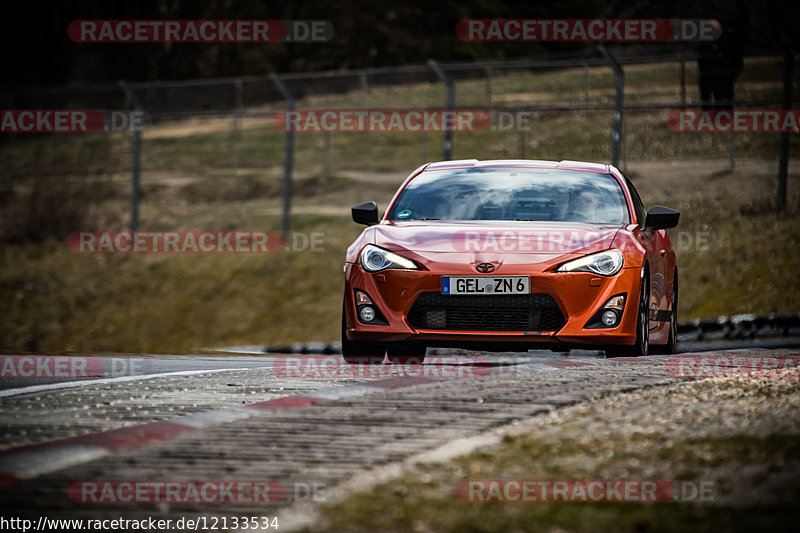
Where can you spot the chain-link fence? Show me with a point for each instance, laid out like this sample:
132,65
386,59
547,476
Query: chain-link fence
231,139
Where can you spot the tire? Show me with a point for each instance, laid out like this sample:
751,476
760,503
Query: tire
403,354
642,345
672,339
360,352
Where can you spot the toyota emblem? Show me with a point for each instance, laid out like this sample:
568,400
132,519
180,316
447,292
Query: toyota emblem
484,268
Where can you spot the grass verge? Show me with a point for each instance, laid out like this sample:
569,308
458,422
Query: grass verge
650,435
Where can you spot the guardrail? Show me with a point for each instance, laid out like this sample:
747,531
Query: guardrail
744,326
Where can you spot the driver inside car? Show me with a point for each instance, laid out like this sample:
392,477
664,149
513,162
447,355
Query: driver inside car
583,204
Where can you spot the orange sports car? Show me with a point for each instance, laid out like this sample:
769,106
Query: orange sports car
511,255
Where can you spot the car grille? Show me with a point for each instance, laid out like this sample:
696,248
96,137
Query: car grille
512,312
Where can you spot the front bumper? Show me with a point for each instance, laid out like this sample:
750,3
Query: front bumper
577,296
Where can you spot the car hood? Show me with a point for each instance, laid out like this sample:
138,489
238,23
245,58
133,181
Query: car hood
537,241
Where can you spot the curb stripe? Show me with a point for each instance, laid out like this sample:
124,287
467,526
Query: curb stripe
290,402
55,455
399,383
6,480
130,437
214,418
27,464
113,439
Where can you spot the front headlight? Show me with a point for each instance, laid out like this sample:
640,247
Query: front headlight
374,259
605,263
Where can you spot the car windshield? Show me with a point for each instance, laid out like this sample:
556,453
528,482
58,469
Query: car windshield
503,193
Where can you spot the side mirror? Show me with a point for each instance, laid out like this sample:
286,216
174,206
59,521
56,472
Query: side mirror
366,213
660,217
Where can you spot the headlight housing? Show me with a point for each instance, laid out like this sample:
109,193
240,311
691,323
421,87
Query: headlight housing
605,263
375,258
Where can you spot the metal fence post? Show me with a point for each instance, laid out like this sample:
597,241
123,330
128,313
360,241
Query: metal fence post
288,162
488,86
450,102
585,80
783,163
235,126
616,127
137,156
363,87
683,84
326,166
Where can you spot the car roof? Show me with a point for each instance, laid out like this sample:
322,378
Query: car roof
521,163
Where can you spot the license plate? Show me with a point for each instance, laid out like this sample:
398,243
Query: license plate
486,284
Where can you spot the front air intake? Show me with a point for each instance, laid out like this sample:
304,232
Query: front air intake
512,312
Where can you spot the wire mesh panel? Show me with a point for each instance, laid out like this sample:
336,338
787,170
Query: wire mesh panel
357,134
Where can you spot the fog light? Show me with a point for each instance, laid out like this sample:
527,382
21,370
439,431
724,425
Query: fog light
366,314
609,318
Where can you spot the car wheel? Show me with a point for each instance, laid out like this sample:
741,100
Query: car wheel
672,339
403,354
360,352
641,346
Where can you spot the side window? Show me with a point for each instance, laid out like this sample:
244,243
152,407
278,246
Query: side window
638,206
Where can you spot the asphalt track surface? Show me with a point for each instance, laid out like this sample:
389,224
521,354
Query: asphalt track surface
301,424
242,357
